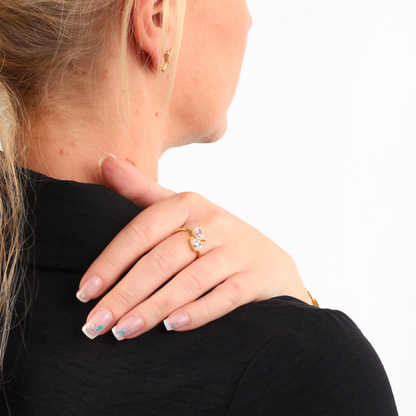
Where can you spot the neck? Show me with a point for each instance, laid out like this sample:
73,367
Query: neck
67,142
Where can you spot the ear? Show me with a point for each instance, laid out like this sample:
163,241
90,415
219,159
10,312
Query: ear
147,27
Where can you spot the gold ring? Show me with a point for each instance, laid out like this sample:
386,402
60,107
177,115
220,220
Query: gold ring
197,239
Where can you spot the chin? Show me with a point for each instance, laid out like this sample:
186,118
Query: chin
212,136
215,135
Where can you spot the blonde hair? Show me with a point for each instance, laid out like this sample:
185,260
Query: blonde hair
43,42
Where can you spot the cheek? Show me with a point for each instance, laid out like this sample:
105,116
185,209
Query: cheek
208,71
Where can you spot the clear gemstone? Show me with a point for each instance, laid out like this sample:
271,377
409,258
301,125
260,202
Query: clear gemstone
196,244
198,233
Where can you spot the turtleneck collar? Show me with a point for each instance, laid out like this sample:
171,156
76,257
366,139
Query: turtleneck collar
70,223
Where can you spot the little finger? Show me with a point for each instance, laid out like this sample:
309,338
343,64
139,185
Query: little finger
228,296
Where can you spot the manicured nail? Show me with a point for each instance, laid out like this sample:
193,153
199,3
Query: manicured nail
104,157
98,323
89,289
177,321
128,327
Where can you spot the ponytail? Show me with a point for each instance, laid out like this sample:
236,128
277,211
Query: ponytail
12,215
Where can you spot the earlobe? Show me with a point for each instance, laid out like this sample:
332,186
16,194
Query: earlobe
147,27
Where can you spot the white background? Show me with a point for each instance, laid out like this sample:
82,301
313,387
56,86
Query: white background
320,155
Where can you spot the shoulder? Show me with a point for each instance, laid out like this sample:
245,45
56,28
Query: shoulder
317,362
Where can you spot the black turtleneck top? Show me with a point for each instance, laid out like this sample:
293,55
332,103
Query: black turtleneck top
276,357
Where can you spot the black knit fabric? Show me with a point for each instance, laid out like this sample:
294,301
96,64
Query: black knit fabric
277,357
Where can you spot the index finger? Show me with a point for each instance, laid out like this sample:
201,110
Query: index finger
144,232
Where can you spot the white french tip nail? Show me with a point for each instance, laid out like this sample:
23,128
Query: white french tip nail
116,334
87,332
98,323
104,157
128,327
168,328
90,289
177,321
82,297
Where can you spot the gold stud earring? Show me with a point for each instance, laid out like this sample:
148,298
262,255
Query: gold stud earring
168,54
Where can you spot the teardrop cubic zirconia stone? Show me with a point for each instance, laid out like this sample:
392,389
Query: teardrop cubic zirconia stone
198,233
196,244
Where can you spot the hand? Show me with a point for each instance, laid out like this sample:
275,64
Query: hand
238,264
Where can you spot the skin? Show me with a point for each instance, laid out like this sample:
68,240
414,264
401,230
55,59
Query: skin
69,138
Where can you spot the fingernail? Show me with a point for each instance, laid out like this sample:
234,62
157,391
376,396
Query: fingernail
177,321
89,289
98,323
104,157
128,327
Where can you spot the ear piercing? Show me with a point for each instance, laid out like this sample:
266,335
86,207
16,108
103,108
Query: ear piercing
168,54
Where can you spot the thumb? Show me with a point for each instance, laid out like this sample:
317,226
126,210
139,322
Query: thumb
131,183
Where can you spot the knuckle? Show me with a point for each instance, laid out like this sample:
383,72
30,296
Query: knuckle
158,312
233,294
223,218
138,234
111,265
197,280
189,200
191,196
124,300
183,197
160,263
207,311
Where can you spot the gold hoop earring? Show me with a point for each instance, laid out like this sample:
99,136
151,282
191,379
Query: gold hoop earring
168,54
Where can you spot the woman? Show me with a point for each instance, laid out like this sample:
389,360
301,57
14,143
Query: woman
87,91
256,246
